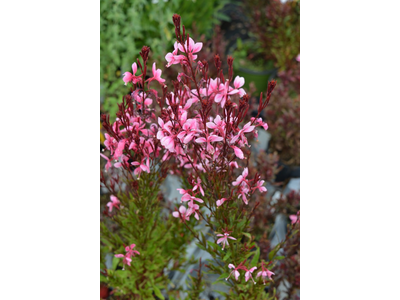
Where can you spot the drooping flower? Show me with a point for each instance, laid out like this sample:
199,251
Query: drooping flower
113,203
264,273
241,178
221,201
248,275
224,239
235,271
198,185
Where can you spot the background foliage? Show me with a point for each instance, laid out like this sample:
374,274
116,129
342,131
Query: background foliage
126,25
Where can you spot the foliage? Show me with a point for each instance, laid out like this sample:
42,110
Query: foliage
275,26
125,26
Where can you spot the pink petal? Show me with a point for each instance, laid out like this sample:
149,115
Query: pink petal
220,240
214,138
200,140
182,209
134,68
237,274
239,82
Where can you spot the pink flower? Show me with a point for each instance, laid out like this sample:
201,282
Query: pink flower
294,218
235,271
259,186
156,75
126,261
187,197
221,201
173,58
127,257
238,83
264,273
225,91
113,203
108,164
110,143
260,123
129,77
241,178
224,239
248,275
142,166
218,125
183,213
211,138
189,129
130,252
198,185
298,57
193,48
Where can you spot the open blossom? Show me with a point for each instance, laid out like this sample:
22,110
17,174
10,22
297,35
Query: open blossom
142,167
238,83
224,239
193,48
173,58
113,203
198,185
225,91
156,75
260,187
235,271
131,77
248,275
182,214
264,273
218,125
241,178
127,257
260,122
209,139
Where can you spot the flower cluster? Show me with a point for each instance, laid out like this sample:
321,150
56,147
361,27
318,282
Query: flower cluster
236,273
199,130
264,273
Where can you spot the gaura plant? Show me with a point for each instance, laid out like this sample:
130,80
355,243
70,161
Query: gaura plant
198,131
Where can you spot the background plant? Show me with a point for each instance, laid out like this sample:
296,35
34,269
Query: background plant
125,26
275,27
